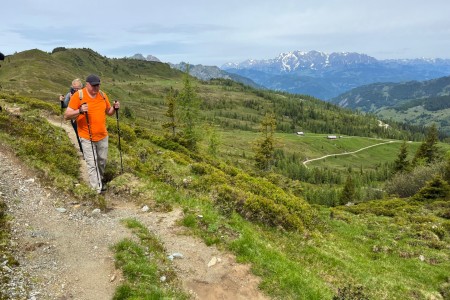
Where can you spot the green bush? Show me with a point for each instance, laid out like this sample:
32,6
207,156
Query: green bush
266,189
177,157
201,168
389,207
406,184
444,290
34,139
446,226
264,210
434,189
421,219
209,181
351,292
444,214
227,168
166,143
126,132
32,103
256,208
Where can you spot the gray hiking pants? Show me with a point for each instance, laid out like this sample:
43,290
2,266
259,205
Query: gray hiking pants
101,154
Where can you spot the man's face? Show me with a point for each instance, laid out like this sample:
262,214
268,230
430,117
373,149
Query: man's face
75,88
92,89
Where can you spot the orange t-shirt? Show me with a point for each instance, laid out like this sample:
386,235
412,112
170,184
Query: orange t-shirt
96,113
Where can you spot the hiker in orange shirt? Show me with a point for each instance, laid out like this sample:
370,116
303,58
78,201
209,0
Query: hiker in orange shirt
89,106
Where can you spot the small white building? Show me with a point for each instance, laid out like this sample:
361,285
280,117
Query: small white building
300,133
331,137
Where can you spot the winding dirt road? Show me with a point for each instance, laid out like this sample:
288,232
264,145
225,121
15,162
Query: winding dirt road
346,153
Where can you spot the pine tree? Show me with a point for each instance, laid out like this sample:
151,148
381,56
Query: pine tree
401,164
437,188
265,148
189,113
214,140
172,124
428,150
446,175
349,192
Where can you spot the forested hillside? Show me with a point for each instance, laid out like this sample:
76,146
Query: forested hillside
414,103
370,98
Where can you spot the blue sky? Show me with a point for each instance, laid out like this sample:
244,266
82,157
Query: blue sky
217,32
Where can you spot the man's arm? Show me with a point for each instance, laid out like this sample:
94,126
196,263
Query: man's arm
110,111
72,114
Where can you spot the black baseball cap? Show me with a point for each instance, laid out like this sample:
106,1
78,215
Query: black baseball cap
93,79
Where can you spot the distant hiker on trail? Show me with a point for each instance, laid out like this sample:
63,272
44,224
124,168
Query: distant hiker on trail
89,106
76,85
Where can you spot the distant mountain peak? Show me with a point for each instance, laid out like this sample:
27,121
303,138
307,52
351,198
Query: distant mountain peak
210,72
139,56
152,58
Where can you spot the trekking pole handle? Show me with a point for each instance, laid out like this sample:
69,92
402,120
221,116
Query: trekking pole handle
115,107
81,110
61,100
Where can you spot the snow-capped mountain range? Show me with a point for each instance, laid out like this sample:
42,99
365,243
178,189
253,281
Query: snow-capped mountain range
327,75
299,60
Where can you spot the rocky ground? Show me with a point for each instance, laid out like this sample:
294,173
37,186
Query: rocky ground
63,247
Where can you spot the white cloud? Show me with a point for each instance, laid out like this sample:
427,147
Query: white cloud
210,32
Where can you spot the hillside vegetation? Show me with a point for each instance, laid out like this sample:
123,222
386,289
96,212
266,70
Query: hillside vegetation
413,102
287,221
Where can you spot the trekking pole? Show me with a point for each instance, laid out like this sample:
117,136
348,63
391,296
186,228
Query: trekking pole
62,107
61,100
118,133
92,146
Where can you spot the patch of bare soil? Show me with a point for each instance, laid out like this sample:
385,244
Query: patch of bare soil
63,247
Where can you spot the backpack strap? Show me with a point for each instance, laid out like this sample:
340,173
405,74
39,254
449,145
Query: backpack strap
80,94
102,94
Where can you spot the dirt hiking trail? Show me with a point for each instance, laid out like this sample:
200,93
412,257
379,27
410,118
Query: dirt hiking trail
63,246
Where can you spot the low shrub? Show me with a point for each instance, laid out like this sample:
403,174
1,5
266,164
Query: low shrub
434,189
389,207
446,226
444,290
264,188
351,292
31,103
201,168
208,182
406,184
256,208
177,157
126,132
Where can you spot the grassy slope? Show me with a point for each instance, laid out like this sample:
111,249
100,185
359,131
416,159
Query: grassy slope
378,252
418,115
